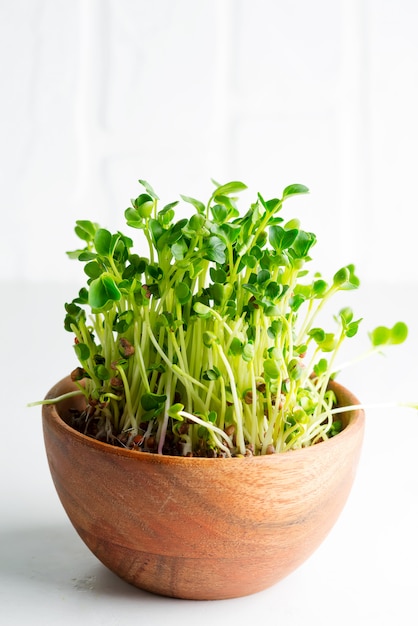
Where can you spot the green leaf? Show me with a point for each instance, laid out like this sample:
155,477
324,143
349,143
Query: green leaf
83,296
280,238
273,331
317,334
183,293
325,341
102,372
168,208
150,401
75,311
103,290
123,321
144,205
148,188
225,232
249,261
352,328
296,301
215,250
346,315
76,254
195,269
179,249
209,338
196,223
263,276
93,269
329,343
256,252
295,369
174,411
155,272
345,278
133,218
211,374
254,289
219,213
382,335
321,367
228,188
136,267
303,290
319,288
218,275
176,231
217,291
212,416
303,243
148,416
86,255
248,352
236,347
293,190
165,320
82,351
199,206
85,229
336,427
273,206
399,333
103,242
156,367
156,229
201,309
167,214
271,369
271,310
292,224
301,350
229,204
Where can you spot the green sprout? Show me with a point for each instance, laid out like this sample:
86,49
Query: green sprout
205,341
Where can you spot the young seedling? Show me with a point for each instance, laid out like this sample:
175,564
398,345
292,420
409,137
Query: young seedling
204,339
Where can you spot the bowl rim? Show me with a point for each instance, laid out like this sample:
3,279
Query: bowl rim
355,426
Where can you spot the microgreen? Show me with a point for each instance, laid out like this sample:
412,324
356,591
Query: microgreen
205,339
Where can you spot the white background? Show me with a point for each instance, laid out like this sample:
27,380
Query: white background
98,93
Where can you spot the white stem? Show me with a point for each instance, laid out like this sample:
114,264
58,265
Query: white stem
376,405
211,427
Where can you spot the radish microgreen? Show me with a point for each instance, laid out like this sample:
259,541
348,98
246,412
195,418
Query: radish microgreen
205,341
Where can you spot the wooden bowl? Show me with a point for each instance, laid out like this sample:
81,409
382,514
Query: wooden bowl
200,528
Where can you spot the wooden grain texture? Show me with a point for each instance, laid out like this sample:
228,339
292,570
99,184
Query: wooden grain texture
201,528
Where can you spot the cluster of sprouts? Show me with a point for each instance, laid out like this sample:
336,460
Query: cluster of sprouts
202,340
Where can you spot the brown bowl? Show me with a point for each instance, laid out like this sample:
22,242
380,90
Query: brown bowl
200,528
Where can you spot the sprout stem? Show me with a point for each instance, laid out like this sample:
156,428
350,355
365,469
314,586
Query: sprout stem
212,428
64,396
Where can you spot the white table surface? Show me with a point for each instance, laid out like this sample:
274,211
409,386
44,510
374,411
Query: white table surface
365,573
